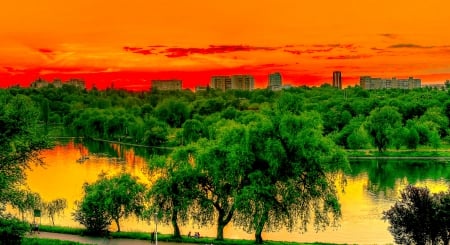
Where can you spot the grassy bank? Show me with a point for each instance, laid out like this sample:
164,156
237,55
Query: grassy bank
44,241
165,237
422,152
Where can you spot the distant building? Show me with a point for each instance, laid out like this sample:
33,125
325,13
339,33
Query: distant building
79,83
367,82
57,83
238,82
275,81
220,82
434,85
337,79
201,88
166,85
242,82
39,83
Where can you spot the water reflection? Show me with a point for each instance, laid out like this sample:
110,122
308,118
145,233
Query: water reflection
372,187
385,178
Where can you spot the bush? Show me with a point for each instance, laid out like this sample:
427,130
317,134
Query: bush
12,230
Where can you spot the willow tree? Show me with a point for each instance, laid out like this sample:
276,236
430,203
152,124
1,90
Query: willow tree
223,161
175,190
110,198
290,180
21,140
381,124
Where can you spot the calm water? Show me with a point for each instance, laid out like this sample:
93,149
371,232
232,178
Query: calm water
372,187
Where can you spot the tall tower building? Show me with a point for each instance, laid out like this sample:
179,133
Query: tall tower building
275,81
337,79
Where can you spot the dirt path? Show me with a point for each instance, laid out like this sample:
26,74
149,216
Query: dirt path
98,240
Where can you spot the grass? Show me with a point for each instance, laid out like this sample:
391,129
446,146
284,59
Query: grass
423,151
163,237
62,229
44,241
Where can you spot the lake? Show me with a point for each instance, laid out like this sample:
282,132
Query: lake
372,187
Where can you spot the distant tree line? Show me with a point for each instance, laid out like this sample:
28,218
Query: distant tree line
353,118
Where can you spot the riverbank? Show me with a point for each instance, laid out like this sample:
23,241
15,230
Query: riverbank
419,153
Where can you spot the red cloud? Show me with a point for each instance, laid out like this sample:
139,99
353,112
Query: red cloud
173,52
342,57
45,50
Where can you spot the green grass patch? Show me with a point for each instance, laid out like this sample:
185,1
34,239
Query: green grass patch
45,241
62,229
421,152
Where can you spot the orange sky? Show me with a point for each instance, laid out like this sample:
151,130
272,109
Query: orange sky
128,43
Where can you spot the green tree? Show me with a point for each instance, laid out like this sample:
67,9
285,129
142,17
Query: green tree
175,191
192,131
381,123
20,143
287,181
416,217
45,110
173,112
54,207
111,198
155,132
359,139
223,160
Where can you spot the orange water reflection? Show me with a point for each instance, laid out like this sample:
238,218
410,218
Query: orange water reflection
63,177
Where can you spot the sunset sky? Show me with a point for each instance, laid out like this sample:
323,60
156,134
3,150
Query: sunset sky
129,43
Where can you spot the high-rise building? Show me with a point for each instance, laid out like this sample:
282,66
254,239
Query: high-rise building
171,84
242,82
239,82
367,82
337,79
220,82
275,81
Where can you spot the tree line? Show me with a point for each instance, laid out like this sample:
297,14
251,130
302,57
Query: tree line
353,118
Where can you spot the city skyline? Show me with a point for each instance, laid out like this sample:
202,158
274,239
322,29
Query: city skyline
128,44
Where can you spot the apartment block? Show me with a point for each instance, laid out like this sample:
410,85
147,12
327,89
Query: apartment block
166,85
275,81
367,82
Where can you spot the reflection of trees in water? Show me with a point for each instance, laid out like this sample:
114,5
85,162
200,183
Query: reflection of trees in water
118,151
384,176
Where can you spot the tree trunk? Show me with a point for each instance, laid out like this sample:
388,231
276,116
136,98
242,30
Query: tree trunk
260,228
222,221
220,228
117,224
176,228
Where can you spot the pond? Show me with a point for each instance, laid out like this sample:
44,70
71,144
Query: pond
372,187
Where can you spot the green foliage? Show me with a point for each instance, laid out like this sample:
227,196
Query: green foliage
54,207
20,143
156,132
192,131
109,199
359,139
12,229
420,217
381,124
173,112
44,241
175,191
